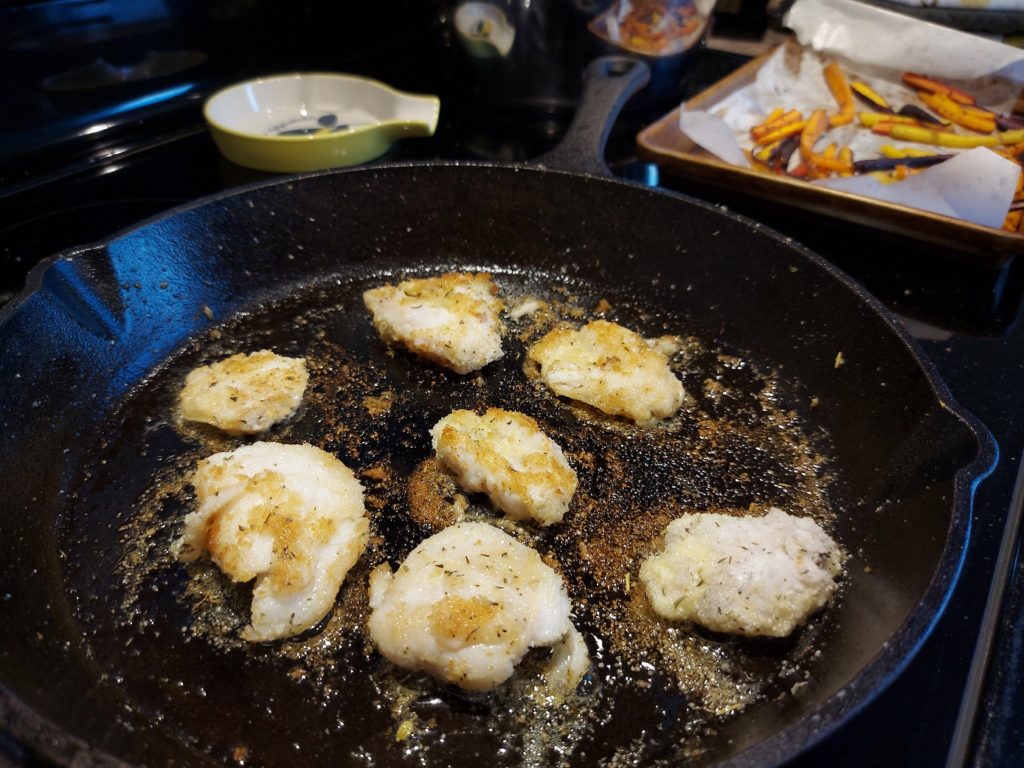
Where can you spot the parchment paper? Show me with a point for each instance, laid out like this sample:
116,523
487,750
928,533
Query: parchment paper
870,36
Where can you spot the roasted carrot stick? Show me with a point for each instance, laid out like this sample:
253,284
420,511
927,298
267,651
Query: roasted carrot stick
888,150
923,83
832,164
978,120
783,152
870,119
815,127
914,111
846,157
941,138
888,163
869,96
792,129
774,122
837,83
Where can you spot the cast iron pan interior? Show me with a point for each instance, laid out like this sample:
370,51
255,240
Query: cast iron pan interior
113,324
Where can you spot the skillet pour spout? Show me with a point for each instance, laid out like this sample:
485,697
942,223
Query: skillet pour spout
104,658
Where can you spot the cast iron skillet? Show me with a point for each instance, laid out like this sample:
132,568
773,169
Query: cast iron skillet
101,334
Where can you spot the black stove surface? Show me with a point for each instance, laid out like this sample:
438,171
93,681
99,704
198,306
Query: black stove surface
958,702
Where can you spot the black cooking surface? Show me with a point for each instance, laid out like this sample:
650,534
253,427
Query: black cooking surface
966,318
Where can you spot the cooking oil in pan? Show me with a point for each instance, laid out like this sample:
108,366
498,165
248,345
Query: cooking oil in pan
656,692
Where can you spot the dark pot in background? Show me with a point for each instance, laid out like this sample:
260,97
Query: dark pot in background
528,56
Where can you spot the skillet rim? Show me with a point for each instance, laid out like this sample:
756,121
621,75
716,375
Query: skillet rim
782,746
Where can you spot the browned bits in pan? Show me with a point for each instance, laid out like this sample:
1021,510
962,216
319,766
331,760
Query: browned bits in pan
736,445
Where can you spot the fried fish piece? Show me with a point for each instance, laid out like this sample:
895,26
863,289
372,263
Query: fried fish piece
467,604
452,320
289,516
244,394
745,575
611,368
507,456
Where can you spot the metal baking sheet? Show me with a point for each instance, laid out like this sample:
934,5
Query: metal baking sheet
664,144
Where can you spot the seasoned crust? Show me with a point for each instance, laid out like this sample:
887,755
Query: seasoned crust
289,516
507,456
452,320
246,393
612,369
745,575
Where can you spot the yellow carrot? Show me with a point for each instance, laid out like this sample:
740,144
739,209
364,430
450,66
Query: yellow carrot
846,156
774,122
939,138
897,152
868,93
762,153
977,120
871,119
784,132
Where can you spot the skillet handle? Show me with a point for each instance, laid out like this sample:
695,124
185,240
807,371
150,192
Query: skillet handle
607,85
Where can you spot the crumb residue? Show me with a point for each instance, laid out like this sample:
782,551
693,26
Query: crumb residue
737,444
434,499
378,405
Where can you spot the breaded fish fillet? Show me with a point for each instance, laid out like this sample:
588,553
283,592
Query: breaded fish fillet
611,368
452,320
506,455
466,606
244,394
289,516
747,575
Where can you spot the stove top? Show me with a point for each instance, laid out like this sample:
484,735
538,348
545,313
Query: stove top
956,703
